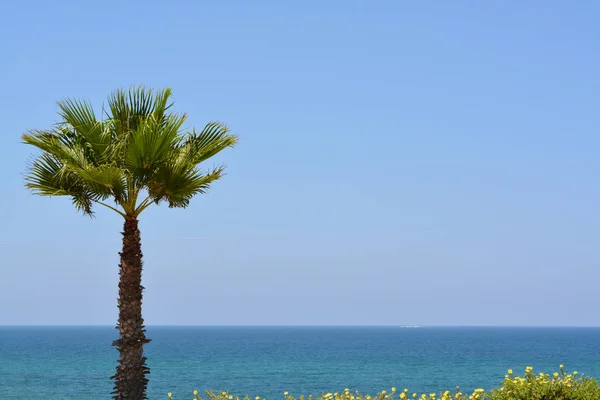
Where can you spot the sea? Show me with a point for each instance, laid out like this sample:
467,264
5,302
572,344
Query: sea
77,362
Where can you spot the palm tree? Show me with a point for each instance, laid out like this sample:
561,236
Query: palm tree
137,155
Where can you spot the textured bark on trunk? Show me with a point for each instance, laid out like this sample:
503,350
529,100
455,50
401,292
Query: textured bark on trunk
130,378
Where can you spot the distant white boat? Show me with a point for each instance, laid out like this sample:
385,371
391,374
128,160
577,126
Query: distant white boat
409,326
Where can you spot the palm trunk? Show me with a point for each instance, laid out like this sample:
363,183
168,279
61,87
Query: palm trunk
130,378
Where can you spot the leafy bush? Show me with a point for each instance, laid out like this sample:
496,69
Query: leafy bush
559,386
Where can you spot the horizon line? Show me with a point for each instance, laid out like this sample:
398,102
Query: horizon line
304,326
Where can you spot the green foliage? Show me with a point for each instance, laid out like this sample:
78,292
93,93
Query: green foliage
138,148
558,386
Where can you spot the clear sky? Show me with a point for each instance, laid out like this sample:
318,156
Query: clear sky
399,162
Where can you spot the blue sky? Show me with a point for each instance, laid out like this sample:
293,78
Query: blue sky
399,162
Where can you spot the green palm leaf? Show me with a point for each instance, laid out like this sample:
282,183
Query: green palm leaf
48,177
214,138
177,185
79,116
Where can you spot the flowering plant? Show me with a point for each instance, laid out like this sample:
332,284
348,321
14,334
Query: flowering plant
558,386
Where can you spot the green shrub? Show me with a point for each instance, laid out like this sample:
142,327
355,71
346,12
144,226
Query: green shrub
558,386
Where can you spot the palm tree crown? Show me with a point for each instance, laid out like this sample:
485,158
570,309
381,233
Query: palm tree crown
139,150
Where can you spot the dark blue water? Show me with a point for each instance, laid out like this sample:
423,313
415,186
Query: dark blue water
76,362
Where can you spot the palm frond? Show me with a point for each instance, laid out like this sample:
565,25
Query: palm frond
199,147
128,108
69,151
79,116
42,177
151,144
105,181
101,180
178,186
47,177
161,104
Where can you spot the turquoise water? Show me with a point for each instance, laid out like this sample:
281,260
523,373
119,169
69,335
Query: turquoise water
76,362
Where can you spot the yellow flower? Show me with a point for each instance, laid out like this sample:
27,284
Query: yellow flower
480,390
528,369
556,374
170,394
510,371
393,389
561,366
414,395
574,372
285,393
195,392
403,395
230,397
257,398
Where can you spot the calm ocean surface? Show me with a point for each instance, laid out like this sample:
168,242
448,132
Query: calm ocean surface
76,362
